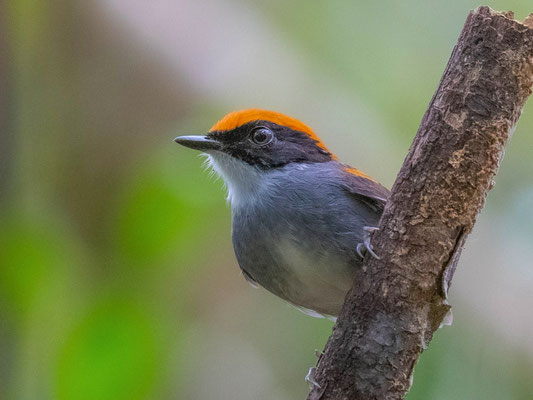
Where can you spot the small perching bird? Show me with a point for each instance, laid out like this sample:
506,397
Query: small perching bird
301,220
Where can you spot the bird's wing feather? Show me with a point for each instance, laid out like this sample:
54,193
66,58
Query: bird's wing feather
366,190
249,279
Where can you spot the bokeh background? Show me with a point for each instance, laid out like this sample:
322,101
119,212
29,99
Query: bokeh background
117,275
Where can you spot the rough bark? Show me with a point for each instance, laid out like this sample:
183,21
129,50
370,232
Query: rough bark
398,302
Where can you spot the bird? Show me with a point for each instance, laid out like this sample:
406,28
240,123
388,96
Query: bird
301,220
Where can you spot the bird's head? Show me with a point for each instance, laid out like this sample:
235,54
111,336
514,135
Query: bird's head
262,139
245,144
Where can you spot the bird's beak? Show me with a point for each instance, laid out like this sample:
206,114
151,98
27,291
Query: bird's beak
202,143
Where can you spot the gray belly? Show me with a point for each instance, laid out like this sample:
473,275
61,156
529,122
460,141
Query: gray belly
306,258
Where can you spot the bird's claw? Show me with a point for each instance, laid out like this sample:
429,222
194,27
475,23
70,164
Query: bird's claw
366,246
310,378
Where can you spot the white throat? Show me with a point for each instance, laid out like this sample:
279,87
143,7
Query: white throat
243,181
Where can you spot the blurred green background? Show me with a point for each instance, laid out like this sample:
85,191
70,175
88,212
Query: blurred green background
117,275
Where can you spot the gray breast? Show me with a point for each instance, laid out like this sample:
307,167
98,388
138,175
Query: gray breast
297,238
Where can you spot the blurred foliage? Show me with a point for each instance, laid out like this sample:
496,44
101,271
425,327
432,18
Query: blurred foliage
111,354
117,278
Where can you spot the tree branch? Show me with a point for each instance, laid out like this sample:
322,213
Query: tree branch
398,302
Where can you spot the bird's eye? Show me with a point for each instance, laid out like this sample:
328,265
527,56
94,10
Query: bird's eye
262,136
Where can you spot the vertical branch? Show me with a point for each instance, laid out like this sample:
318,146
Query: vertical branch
398,302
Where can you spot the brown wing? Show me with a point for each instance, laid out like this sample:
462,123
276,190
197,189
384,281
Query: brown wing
366,189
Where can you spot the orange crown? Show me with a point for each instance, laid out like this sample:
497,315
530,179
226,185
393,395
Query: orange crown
238,118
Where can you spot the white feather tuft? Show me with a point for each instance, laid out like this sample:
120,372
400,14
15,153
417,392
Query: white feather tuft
243,181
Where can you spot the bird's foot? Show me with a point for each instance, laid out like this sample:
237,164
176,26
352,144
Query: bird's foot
310,378
366,246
